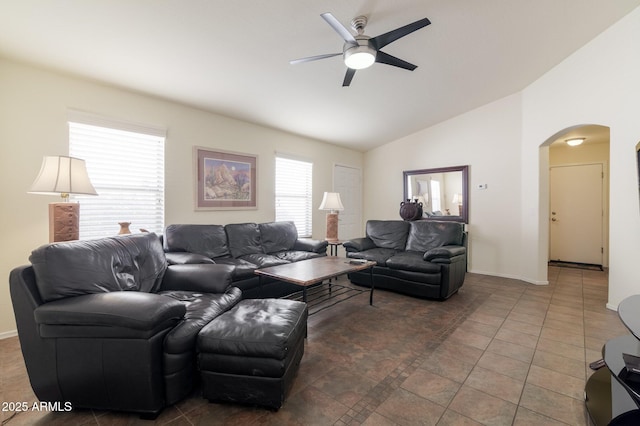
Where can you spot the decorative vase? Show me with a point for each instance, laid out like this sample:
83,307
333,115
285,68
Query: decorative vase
410,210
124,228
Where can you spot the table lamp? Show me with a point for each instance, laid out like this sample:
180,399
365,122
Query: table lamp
63,175
331,201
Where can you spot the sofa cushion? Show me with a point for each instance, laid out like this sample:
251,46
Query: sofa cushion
262,260
243,239
296,255
133,262
278,236
199,277
428,234
378,255
207,240
389,234
402,280
412,261
118,309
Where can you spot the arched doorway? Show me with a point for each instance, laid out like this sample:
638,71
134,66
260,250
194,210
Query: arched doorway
578,183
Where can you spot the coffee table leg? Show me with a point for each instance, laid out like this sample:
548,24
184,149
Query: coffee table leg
304,294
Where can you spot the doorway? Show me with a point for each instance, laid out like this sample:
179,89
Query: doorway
578,196
575,230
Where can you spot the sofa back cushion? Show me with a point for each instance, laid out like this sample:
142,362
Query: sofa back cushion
427,234
131,262
278,236
391,234
243,239
207,240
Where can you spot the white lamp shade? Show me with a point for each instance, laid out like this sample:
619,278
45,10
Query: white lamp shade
331,201
62,175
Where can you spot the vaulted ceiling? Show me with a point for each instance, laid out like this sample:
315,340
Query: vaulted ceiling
232,57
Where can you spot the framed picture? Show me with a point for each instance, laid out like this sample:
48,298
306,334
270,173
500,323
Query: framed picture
225,180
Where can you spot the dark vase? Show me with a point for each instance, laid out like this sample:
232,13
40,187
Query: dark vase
410,210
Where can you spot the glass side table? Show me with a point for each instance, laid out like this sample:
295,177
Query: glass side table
612,394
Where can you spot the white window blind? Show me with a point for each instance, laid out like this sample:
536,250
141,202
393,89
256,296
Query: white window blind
127,170
293,193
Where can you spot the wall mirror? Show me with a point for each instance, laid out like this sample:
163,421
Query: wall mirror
443,192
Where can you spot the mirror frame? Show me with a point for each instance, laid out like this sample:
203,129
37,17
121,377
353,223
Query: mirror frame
465,187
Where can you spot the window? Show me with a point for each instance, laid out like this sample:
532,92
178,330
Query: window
435,196
293,193
127,169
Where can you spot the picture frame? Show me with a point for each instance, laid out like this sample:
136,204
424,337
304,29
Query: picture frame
225,180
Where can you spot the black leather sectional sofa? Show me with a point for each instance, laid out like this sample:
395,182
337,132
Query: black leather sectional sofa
419,258
246,247
114,323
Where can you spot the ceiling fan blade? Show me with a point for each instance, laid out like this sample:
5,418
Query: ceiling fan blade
385,58
383,39
313,58
348,77
339,28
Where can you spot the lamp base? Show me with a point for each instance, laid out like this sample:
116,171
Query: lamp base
332,227
64,222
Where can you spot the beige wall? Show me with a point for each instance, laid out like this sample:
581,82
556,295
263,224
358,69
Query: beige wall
486,139
33,122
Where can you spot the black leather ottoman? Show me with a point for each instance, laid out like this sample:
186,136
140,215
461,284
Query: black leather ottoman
251,353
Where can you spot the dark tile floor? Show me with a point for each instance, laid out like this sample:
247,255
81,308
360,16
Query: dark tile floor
500,352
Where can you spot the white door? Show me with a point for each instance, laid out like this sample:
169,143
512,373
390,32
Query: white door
347,181
576,213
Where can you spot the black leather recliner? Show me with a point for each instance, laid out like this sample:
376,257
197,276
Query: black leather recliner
106,324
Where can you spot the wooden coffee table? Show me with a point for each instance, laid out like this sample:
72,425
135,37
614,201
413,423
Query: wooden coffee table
306,273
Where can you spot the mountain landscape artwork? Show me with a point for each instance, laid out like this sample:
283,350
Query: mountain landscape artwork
226,180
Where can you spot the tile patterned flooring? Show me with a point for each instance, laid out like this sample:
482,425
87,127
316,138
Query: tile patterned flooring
500,352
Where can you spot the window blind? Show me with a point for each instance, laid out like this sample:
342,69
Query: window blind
127,170
293,193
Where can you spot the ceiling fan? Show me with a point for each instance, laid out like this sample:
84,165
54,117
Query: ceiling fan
361,51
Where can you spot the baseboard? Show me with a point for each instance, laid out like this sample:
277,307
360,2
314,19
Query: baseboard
511,277
612,307
8,334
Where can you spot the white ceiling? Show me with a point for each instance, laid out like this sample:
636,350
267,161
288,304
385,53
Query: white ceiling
232,57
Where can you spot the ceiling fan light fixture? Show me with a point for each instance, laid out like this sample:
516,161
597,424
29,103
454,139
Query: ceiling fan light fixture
359,57
574,141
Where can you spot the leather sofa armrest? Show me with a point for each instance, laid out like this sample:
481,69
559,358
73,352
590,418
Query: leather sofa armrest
307,244
359,244
200,277
122,309
184,257
443,254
